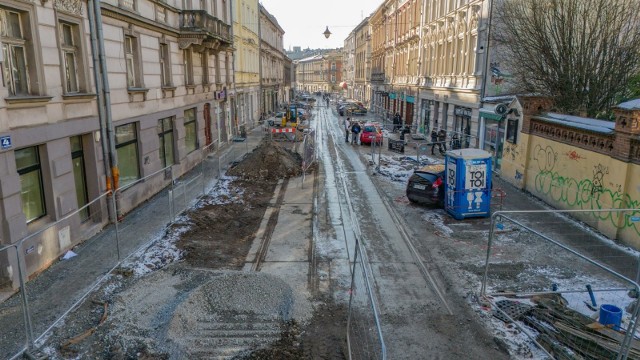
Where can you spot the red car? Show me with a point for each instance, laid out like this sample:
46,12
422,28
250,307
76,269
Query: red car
371,132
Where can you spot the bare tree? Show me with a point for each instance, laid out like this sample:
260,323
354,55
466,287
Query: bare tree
582,53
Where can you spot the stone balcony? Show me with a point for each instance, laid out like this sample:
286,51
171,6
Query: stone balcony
203,31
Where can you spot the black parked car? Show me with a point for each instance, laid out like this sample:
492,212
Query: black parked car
426,185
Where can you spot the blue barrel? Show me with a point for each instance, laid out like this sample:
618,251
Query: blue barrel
610,315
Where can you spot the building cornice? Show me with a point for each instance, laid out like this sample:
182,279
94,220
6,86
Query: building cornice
135,19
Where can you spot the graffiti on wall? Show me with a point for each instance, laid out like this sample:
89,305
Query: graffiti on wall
585,194
599,171
573,155
513,150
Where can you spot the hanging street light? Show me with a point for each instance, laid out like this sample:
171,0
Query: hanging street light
327,33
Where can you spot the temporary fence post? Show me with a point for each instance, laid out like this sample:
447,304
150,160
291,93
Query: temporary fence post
351,292
26,313
246,143
219,159
113,199
172,199
483,288
638,272
204,183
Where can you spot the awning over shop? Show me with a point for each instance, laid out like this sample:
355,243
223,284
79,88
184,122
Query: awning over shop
490,114
392,95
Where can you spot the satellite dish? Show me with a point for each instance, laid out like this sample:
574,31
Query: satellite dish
500,109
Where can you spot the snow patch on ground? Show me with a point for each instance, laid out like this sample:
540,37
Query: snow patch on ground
221,194
437,219
163,251
399,168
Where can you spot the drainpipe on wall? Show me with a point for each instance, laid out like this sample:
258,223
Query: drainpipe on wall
483,88
260,94
114,181
420,66
100,98
233,74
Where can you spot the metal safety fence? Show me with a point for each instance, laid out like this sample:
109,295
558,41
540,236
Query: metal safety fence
308,151
364,334
572,292
75,254
16,326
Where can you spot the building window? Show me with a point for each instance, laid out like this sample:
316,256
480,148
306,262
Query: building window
512,131
127,152
333,78
165,133
204,58
32,191
70,34
188,67
14,48
190,130
79,176
217,68
165,65
132,61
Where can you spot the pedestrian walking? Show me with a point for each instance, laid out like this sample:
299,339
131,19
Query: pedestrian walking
397,120
355,131
442,139
434,142
347,128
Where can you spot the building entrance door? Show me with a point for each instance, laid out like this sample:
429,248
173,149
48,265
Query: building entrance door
206,115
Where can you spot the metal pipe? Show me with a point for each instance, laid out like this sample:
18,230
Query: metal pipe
113,199
25,303
113,157
100,98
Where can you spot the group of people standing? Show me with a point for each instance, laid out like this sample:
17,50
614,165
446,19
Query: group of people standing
440,139
352,128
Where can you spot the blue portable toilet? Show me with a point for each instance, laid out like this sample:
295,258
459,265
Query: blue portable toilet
468,184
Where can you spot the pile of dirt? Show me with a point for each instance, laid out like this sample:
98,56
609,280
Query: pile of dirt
222,229
269,161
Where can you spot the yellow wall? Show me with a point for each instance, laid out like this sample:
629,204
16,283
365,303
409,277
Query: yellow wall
246,42
513,161
567,177
630,227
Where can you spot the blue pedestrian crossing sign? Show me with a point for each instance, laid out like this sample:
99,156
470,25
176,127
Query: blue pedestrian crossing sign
5,142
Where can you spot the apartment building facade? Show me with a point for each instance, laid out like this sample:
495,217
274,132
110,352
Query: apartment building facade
428,62
246,40
362,63
349,66
69,135
271,62
321,72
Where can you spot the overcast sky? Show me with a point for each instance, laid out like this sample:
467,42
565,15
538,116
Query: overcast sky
304,21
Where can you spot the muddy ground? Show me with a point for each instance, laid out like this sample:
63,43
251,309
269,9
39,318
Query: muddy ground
194,301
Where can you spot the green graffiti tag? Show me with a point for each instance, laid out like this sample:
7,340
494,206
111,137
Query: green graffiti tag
584,194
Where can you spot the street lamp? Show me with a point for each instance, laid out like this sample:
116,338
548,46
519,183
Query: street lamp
327,33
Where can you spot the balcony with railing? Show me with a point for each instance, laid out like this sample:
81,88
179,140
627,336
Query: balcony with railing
199,27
